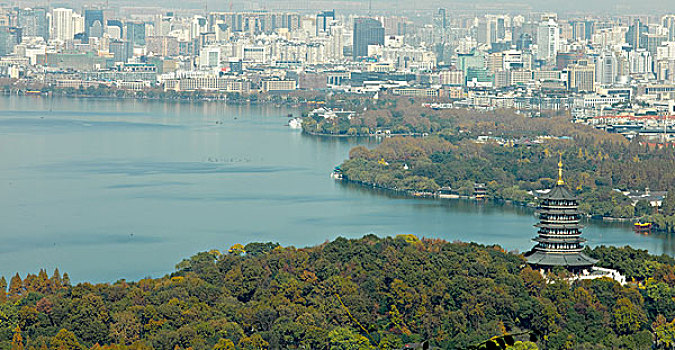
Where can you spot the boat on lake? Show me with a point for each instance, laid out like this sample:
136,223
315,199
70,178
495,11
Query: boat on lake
295,123
642,227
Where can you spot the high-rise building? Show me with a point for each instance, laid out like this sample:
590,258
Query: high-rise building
651,42
668,22
93,18
491,29
323,21
120,50
442,18
559,242
635,35
582,29
135,33
640,61
7,40
62,24
78,25
210,57
257,22
606,68
548,40
581,76
524,42
336,44
367,31
33,22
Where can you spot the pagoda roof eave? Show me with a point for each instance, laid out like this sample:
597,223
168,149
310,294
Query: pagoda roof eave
559,192
570,259
575,239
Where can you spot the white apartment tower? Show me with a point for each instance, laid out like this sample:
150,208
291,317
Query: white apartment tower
606,68
62,24
548,39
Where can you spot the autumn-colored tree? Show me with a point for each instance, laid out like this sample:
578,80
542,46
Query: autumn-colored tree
17,340
66,279
56,279
43,281
16,286
237,249
224,344
3,289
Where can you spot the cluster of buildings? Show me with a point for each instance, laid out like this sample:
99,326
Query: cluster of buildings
593,66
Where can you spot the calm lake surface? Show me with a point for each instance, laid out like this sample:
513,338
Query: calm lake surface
106,190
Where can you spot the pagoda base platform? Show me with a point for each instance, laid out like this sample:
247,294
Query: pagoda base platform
574,261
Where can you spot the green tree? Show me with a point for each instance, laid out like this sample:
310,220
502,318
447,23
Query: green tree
664,332
64,340
523,345
342,338
668,205
224,344
254,342
627,317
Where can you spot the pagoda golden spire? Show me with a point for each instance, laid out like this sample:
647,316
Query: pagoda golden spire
560,169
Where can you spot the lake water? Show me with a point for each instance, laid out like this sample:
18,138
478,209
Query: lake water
107,190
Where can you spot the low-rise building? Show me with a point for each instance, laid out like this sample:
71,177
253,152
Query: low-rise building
278,85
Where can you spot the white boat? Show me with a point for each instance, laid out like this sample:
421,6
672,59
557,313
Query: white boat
336,174
295,123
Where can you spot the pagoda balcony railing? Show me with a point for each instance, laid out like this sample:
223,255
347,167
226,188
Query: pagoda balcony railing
556,220
548,206
559,234
559,203
560,250
559,216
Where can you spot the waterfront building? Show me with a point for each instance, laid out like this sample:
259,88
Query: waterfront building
416,92
479,191
9,36
278,85
559,242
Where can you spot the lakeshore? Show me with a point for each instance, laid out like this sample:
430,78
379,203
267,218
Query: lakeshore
498,201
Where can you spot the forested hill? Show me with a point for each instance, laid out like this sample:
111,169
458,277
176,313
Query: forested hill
368,293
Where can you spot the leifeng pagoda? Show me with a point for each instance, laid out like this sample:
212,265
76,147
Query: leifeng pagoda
559,241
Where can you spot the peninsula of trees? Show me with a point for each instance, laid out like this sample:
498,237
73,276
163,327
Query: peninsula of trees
513,155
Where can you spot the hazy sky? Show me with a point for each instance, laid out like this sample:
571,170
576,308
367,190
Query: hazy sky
596,7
